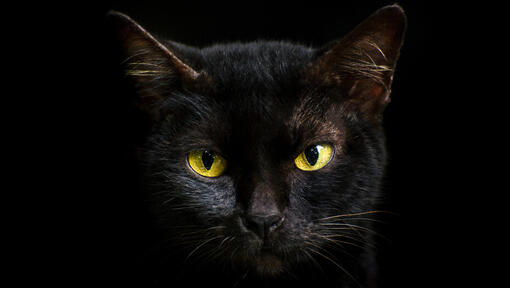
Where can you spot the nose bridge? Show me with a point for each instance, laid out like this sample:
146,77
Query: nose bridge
263,200
261,190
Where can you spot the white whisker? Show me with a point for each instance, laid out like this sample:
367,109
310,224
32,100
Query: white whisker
199,246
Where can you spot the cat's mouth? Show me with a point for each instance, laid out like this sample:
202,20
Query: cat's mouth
263,260
263,253
267,263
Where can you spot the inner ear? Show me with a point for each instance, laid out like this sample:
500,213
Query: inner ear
361,65
155,70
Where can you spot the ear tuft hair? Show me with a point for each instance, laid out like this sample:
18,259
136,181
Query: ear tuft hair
149,63
363,62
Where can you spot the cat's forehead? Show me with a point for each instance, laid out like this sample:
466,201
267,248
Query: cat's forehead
256,65
257,94
255,78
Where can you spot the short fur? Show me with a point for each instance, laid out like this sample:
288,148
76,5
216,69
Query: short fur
260,105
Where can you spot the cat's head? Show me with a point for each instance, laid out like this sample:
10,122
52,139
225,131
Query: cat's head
263,155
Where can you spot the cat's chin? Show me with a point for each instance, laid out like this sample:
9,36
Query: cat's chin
266,264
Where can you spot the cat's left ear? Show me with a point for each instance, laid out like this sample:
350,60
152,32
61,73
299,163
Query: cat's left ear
361,64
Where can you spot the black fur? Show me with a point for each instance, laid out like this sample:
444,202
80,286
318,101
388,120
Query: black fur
259,105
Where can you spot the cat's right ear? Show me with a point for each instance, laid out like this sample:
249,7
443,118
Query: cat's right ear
153,67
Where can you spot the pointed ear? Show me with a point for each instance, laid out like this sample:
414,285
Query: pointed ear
362,63
153,67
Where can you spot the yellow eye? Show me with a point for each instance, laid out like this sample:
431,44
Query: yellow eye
207,163
314,157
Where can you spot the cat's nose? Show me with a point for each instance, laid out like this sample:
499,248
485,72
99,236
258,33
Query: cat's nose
263,225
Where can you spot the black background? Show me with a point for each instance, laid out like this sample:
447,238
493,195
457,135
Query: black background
95,212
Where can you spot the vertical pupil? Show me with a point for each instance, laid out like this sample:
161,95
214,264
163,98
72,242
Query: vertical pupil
207,159
312,154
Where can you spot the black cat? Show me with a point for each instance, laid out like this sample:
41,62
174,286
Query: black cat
263,161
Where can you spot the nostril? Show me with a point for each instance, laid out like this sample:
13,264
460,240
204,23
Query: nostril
263,225
273,222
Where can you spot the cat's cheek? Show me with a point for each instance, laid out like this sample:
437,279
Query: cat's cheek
206,197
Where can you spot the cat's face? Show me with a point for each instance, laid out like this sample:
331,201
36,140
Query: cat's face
264,155
262,207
